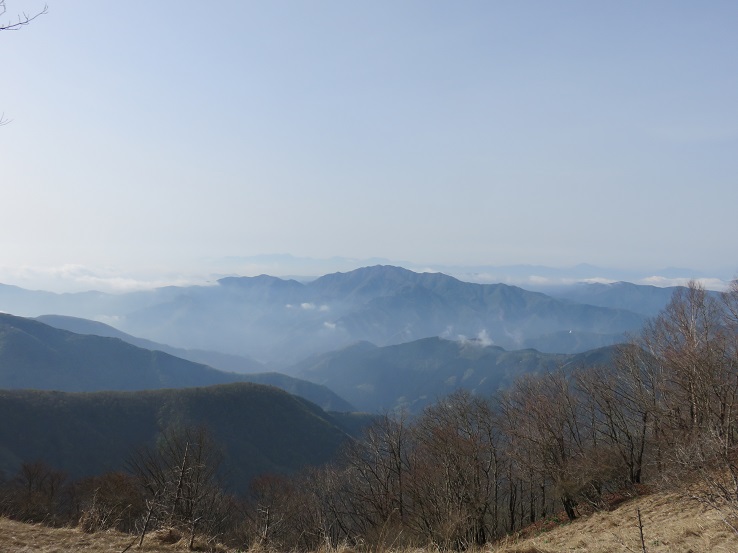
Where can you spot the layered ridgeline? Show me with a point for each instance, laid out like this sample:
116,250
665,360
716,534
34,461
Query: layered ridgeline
283,321
34,355
414,375
215,359
258,429
362,376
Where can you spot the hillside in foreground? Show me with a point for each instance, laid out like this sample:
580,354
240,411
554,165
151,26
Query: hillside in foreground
671,524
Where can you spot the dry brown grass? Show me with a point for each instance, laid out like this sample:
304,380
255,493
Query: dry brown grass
17,537
672,524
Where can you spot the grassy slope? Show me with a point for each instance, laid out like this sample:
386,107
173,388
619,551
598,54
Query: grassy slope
671,525
18,537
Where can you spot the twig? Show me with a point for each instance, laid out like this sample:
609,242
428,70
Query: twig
23,20
640,529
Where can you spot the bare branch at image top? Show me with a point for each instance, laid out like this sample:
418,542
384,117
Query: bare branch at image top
23,18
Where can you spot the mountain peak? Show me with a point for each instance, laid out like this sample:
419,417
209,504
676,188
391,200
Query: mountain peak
373,281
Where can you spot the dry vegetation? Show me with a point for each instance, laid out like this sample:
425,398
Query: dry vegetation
19,537
672,524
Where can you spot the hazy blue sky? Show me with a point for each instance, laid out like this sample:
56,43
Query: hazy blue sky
165,135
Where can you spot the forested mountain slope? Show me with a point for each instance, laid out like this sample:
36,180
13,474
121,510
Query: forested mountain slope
416,374
258,428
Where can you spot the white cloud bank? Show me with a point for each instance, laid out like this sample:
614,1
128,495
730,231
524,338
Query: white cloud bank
78,278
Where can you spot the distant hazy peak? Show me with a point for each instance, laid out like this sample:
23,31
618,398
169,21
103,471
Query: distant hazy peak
258,280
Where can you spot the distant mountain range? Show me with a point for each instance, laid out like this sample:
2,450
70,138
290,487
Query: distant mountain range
34,355
413,375
304,269
259,429
280,322
525,275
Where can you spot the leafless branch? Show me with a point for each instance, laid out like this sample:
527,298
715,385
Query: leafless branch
23,19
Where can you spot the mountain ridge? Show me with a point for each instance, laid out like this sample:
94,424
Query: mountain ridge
35,355
413,375
279,322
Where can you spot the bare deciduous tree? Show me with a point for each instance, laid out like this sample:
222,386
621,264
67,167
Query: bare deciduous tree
283,512
180,479
378,467
544,417
456,480
696,340
35,493
622,412
691,341
112,500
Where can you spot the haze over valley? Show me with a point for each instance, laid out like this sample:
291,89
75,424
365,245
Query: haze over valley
278,322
